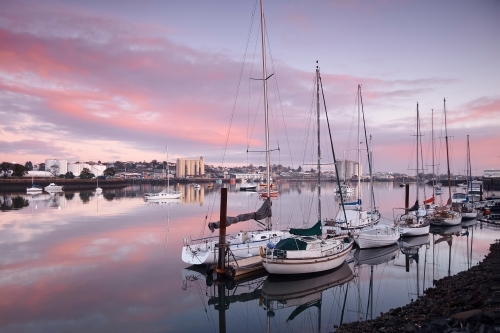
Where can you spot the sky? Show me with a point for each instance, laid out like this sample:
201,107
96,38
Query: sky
122,80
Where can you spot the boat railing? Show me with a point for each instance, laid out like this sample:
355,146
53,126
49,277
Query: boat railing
188,241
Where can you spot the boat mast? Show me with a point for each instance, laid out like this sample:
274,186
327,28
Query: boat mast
418,125
168,178
432,138
447,153
469,170
266,110
359,144
319,149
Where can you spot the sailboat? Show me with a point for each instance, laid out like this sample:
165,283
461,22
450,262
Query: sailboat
414,222
34,189
444,215
98,189
246,243
468,210
355,217
166,193
306,251
436,187
374,235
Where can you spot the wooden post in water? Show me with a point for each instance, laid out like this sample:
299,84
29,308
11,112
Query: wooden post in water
221,262
407,198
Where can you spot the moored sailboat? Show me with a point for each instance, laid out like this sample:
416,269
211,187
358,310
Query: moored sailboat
414,221
306,250
246,243
444,215
167,193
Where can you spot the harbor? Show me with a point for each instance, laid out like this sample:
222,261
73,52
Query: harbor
125,238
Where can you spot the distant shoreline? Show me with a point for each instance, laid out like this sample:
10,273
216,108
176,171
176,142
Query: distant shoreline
21,184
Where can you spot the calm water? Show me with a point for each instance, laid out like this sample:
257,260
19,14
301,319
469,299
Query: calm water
85,263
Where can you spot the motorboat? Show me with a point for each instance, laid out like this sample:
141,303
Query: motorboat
165,194
53,188
246,186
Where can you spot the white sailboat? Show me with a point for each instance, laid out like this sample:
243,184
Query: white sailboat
34,189
245,244
306,250
444,215
355,217
468,210
374,235
166,193
414,222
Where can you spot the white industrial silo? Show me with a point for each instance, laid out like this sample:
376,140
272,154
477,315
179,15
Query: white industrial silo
350,171
56,165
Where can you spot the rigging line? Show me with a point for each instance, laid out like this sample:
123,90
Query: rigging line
280,103
238,86
249,91
419,138
333,151
233,111
366,141
249,85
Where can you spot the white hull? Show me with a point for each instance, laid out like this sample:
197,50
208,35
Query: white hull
162,195
205,252
33,190
406,231
307,264
469,215
450,219
248,187
376,237
53,188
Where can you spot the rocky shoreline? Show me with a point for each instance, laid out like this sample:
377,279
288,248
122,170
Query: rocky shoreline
466,302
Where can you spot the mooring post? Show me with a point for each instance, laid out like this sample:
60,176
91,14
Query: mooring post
221,263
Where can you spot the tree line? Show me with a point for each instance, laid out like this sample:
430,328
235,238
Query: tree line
19,170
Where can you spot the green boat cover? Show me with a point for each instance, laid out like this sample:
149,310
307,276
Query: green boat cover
290,244
315,230
303,307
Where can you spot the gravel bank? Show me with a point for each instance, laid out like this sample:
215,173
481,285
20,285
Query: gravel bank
466,302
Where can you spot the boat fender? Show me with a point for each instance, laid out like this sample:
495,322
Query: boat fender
270,245
270,313
347,240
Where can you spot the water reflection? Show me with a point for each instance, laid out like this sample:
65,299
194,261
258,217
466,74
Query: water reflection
371,258
8,202
117,267
299,294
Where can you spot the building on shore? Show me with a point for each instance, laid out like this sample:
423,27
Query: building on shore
190,167
347,169
77,168
492,173
36,173
248,176
56,166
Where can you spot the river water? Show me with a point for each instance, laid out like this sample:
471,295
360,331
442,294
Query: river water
82,262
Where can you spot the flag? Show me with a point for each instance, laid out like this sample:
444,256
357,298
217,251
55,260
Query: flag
429,201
